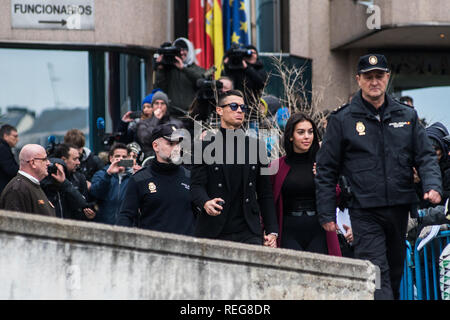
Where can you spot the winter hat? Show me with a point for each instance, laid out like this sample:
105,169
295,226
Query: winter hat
436,132
148,99
160,96
271,103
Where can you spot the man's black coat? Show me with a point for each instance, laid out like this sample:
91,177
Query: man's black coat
209,181
8,165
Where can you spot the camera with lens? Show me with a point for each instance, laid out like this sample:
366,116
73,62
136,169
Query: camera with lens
236,55
208,89
52,168
110,138
169,53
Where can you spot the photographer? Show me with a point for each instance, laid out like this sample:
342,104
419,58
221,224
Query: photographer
66,188
177,75
204,105
128,124
243,66
110,183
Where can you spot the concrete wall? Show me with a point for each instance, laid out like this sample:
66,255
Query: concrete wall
118,22
50,258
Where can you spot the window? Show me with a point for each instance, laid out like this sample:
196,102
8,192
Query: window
272,25
44,92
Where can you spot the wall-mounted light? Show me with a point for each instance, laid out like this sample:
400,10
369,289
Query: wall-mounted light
442,36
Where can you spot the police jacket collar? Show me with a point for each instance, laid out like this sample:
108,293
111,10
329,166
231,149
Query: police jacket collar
357,107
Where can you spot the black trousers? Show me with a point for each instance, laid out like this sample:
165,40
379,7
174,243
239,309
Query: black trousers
304,234
379,236
244,236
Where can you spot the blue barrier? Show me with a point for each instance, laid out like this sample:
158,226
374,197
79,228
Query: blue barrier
427,277
407,283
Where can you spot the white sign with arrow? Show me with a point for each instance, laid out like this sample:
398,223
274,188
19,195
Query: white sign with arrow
53,14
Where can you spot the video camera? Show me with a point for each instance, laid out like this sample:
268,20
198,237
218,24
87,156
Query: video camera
169,53
235,56
208,89
107,138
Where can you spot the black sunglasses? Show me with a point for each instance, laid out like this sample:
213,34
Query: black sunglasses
234,106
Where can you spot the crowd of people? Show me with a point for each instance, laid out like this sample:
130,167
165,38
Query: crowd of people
232,192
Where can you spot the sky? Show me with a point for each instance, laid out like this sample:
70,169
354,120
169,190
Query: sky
432,104
25,78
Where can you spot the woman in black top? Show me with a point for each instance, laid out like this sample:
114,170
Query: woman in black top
294,191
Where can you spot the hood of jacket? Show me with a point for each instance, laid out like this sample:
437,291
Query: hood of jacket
437,131
190,57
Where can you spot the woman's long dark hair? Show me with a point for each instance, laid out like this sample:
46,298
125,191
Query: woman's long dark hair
289,132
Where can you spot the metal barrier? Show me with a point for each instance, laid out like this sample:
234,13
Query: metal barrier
426,263
407,283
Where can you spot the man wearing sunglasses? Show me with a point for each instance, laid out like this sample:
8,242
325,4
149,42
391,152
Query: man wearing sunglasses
233,199
24,193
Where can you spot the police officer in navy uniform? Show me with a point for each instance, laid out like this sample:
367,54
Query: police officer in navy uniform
375,142
160,191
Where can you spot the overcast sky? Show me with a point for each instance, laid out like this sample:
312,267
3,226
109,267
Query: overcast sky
25,78
432,104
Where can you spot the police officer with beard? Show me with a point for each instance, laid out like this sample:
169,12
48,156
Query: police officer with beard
160,191
375,142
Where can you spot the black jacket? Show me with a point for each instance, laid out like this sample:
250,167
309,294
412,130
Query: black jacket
211,181
69,197
376,156
250,81
160,192
90,164
8,165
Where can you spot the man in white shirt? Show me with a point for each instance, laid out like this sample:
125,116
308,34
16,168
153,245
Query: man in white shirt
23,193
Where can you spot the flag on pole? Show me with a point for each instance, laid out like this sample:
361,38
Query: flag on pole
196,30
214,35
235,23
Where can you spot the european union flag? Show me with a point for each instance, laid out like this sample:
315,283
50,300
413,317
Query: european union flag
235,23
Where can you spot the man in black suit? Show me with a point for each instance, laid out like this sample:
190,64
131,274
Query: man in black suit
234,199
8,164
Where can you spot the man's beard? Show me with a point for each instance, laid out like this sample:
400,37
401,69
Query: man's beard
173,158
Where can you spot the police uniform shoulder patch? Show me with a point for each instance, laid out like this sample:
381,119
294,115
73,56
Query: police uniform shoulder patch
342,107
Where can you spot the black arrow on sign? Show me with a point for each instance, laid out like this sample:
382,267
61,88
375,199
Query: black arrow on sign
62,22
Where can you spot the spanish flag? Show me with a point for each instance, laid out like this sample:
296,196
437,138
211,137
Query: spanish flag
214,35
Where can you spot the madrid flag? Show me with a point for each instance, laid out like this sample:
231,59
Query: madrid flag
196,30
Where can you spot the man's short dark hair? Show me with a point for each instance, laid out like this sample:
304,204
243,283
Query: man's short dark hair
118,145
62,150
224,95
6,129
75,137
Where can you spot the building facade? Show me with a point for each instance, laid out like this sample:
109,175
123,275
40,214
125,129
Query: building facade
112,44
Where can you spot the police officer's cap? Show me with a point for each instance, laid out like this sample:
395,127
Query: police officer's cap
371,62
168,131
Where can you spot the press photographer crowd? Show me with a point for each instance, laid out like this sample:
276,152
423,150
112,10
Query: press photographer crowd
372,156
